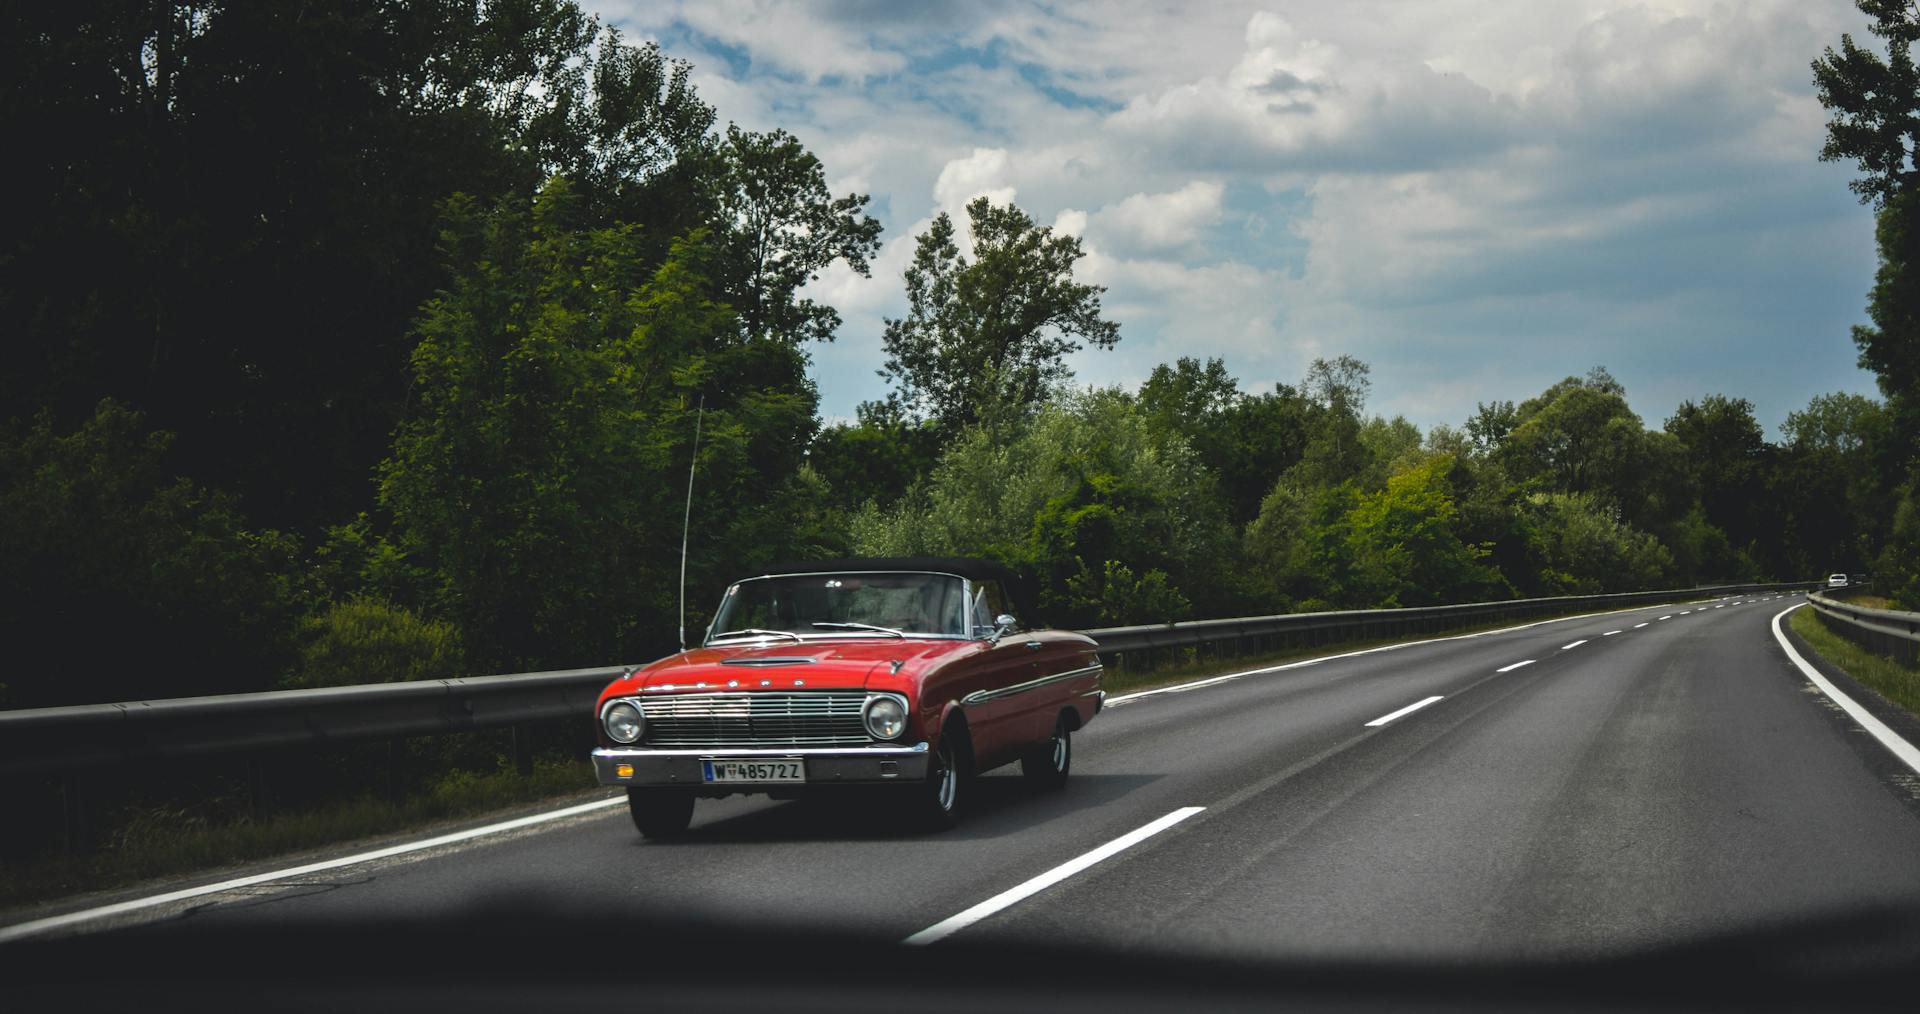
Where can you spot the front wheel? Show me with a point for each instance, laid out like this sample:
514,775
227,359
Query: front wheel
1046,765
660,813
937,799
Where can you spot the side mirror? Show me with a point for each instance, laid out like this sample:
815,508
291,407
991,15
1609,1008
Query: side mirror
1003,625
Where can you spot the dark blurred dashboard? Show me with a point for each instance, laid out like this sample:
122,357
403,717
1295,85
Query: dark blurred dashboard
517,957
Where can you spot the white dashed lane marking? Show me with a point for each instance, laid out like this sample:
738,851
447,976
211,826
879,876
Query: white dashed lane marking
1408,710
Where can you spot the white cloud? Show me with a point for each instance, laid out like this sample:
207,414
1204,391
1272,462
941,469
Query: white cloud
983,173
1166,221
1477,198
789,37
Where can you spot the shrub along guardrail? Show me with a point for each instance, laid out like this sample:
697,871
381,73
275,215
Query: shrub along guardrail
1889,632
76,743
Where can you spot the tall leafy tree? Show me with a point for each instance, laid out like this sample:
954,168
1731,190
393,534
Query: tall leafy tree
1727,459
1406,546
1245,440
1112,514
227,212
1874,104
778,227
991,331
535,493
102,538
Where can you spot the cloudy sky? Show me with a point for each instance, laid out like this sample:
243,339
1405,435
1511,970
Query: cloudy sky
1475,198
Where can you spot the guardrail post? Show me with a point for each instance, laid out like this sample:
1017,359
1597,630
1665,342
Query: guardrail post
396,765
258,799
522,751
76,829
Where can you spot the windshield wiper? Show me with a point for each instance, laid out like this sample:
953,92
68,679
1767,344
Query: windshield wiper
863,626
758,632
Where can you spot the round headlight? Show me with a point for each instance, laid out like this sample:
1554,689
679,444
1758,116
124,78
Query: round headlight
886,718
625,723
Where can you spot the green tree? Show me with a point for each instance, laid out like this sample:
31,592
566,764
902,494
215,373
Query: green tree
1337,388
1581,546
1087,481
1875,103
1875,122
1727,457
1405,544
1298,547
778,228
877,458
537,488
228,216
990,333
103,540
1244,440
1580,436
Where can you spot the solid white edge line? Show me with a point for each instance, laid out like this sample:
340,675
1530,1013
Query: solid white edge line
1408,710
1876,728
26,929
1575,644
1516,665
1012,896
1180,688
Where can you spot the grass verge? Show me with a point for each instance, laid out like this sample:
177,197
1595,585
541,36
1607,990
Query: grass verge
163,843
1894,681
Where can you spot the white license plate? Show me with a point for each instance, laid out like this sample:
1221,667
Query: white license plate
778,769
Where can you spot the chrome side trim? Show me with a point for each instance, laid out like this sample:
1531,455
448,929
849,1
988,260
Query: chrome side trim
767,660
623,753
983,696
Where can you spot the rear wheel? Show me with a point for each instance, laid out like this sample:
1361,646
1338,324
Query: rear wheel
1046,765
660,813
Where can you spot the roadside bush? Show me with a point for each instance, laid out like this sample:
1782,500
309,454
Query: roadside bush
120,580
1581,547
368,640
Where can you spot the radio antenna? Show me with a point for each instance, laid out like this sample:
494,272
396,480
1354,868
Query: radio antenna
686,520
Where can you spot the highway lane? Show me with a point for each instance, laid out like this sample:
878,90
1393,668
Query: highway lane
1642,779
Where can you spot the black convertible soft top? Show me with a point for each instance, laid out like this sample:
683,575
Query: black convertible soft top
965,566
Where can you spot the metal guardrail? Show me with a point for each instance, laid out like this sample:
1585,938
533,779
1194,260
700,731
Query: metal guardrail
1117,643
65,740
95,735
1890,632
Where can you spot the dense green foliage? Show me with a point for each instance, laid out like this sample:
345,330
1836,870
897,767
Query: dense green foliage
987,334
118,578
409,383
1875,122
364,639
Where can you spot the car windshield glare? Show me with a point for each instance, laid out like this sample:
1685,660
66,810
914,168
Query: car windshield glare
843,605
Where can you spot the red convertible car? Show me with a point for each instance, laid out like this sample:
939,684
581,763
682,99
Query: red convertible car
902,675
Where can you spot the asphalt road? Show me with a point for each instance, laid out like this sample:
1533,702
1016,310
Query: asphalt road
1650,776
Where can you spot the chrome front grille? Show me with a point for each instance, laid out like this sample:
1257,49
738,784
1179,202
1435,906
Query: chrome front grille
764,718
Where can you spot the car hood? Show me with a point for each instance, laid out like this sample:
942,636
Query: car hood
785,665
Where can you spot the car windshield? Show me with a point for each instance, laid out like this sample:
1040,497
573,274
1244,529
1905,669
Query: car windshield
843,605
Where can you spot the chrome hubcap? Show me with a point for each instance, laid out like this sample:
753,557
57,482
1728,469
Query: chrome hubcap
949,781
1059,751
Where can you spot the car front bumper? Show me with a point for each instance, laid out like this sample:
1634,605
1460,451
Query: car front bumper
825,766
